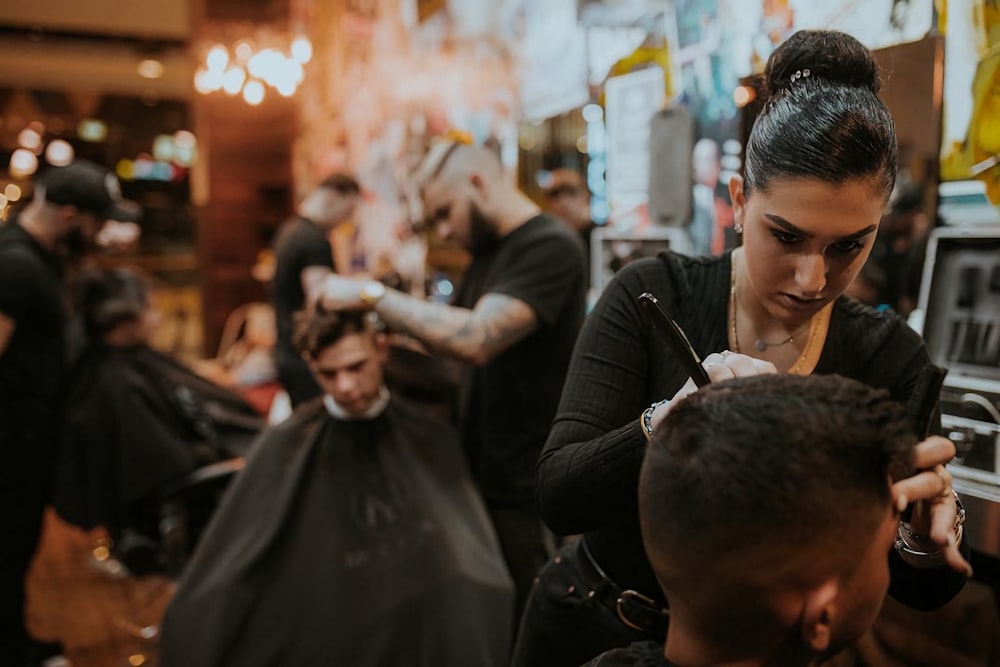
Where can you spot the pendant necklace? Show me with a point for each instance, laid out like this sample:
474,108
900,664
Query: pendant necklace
760,344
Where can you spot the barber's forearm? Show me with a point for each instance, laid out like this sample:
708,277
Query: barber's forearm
441,327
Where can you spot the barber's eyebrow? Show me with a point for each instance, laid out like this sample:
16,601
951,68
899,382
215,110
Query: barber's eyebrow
781,222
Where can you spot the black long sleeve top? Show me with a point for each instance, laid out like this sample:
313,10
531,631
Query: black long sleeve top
589,469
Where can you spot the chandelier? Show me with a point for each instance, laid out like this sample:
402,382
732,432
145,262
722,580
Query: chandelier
249,66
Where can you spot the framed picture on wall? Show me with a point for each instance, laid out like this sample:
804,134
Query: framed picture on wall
612,249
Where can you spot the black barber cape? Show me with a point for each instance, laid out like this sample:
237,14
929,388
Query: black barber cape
136,420
346,543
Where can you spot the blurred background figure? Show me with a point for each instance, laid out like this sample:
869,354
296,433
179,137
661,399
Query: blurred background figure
900,248
568,199
713,211
303,256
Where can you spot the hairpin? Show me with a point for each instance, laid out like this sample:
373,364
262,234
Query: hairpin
800,74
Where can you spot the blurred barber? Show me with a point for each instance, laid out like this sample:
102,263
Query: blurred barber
514,320
303,257
62,222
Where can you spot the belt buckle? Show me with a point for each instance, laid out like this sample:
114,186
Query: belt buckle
636,596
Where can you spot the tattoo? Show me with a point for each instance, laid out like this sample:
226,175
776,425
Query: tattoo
477,335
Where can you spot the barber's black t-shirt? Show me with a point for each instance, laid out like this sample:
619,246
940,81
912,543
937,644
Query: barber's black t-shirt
299,245
32,368
507,405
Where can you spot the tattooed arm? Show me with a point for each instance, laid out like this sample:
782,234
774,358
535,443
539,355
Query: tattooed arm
477,335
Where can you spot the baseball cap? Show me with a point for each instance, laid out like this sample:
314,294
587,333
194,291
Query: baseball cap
89,187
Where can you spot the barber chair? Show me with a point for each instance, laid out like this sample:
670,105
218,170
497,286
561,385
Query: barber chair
156,542
163,530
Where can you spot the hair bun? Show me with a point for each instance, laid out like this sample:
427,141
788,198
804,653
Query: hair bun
831,55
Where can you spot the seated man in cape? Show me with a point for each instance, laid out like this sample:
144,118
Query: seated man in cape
353,536
135,419
768,512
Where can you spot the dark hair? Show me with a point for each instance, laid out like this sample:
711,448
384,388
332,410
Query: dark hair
106,299
316,329
768,480
341,183
822,117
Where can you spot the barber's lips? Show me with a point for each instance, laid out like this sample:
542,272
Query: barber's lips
798,304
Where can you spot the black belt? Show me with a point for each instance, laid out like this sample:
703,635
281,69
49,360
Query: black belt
635,610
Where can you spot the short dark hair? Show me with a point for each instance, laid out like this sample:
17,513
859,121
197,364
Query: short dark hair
765,481
316,328
105,299
342,183
822,117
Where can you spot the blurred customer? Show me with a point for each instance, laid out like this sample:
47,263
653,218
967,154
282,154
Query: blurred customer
62,222
352,537
568,198
135,418
513,320
303,256
786,450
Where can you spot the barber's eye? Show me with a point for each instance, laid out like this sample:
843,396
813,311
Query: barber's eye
847,247
786,238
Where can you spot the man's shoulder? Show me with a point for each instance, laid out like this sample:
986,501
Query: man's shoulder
638,654
295,230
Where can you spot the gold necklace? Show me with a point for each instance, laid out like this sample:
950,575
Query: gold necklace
813,323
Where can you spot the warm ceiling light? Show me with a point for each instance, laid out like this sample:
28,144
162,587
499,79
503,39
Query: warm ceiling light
243,51
743,95
30,139
91,129
232,80
253,92
207,80
185,139
59,153
23,162
12,192
217,59
150,69
302,50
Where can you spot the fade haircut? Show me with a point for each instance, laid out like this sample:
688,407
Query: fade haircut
763,484
316,328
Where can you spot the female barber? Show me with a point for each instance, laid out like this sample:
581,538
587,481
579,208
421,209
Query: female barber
820,165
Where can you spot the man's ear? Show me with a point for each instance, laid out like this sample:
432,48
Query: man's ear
818,615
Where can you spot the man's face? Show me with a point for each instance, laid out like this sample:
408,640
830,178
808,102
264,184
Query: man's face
457,217
82,229
335,207
350,370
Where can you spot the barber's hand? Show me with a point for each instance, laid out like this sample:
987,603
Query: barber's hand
719,366
341,292
935,511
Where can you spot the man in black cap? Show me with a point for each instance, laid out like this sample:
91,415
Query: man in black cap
69,207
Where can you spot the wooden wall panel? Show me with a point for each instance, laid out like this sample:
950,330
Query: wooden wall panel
248,156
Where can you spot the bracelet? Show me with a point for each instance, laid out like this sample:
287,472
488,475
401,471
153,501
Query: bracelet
646,420
921,552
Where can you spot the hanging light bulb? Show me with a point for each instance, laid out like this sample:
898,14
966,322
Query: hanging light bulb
232,80
59,153
302,49
217,58
253,92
